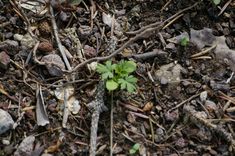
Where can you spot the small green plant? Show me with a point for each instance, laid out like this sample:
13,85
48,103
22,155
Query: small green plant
118,75
216,2
184,41
134,148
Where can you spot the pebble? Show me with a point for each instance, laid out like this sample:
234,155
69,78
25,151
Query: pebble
55,64
6,121
4,60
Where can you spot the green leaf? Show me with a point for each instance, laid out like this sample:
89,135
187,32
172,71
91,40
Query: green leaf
106,75
129,83
132,151
75,2
184,41
216,2
129,66
106,71
111,85
131,79
136,146
101,68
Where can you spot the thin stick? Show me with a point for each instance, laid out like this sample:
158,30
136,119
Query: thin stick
183,102
61,49
203,52
224,7
164,7
172,21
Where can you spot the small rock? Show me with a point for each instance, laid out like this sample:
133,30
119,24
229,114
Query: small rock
18,37
171,72
26,146
64,16
45,46
10,46
54,64
6,121
89,51
172,116
28,41
8,35
226,31
5,142
180,143
170,46
219,86
4,60
231,42
202,37
210,106
203,96
159,135
163,81
232,24
84,32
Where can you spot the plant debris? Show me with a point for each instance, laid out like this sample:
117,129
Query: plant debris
181,87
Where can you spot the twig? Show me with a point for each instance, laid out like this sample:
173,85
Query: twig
66,109
164,7
147,31
203,52
172,21
196,118
183,102
96,107
147,55
202,58
224,7
61,49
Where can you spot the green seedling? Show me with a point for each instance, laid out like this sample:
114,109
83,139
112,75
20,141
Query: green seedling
134,148
118,75
184,41
216,2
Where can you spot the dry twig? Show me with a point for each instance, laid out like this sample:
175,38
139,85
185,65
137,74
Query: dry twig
55,30
96,107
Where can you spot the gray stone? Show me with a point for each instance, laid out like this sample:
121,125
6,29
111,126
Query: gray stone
6,121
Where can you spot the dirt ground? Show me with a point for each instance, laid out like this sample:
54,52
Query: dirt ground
184,104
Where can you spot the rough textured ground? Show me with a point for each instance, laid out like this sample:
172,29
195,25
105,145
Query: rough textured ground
184,103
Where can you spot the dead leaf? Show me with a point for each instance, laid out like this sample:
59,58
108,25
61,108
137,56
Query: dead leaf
41,114
54,148
72,102
148,106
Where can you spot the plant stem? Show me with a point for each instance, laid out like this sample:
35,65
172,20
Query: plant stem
111,125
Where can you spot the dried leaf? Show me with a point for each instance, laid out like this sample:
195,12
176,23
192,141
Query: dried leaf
148,106
107,19
54,148
41,114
